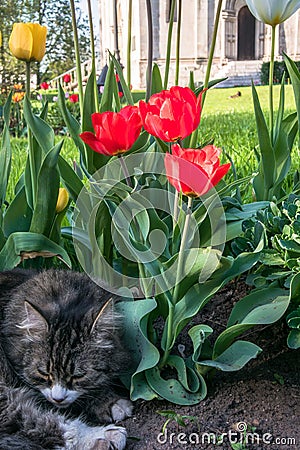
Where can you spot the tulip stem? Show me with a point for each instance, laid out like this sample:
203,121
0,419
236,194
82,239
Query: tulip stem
178,43
169,43
93,54
129,43
175,211
209,65
212,49
271,75
31,158
27,86
150,50
182,248
125,171
179,276
77,56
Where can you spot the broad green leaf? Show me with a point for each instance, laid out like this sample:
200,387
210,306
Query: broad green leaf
295,79
145,355
295,289
199,294
20,246
247,211
70,121
198,264
185,375
280,112
42,132
157,85
267,163
107,95
260,307
293,339
47,193
172,390
18,215
70,179
198,335
226,338
5,152
234,357
126,90
93,160
88,103
290,126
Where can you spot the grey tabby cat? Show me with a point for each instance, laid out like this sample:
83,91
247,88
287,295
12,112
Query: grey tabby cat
60,354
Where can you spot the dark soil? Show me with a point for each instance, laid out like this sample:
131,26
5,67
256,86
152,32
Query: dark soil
263,397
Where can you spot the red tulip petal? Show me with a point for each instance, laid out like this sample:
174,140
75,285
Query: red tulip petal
219,173
91,140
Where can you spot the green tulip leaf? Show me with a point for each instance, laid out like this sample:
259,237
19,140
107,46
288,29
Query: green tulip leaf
157,85
293,339
145,355
107,95
126,90
295,79
198,335
260,307
265,180
70,121
41,131
227,337
5,152
70,179
24,245
47,193
93,160
172,389
234,357
18,215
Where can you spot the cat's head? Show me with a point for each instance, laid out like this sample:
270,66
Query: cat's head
66,358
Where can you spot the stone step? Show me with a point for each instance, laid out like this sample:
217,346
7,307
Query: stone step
233,81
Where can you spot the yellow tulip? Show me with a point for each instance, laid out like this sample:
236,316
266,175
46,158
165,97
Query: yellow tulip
0,38
62,200
28,41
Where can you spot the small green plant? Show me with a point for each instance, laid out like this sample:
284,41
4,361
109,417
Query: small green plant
279,262
172,416
279,379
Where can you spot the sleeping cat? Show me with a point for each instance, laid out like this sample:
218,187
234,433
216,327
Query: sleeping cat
60,355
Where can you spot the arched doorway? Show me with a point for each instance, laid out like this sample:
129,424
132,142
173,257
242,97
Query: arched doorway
246,34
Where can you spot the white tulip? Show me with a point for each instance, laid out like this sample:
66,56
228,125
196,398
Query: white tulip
273,12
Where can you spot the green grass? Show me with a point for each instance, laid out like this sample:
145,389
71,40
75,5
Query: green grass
229,122
218,100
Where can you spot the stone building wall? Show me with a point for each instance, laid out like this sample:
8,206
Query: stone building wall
242,42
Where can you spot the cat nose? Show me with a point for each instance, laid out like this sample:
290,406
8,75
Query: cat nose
58,393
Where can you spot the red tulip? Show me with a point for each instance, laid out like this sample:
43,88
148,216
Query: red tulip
194,171
67,78
115,133
44,86
171,115
73,98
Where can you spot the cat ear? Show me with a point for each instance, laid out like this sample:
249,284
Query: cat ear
34,323
106,318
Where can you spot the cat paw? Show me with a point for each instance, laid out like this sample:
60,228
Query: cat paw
114,438
121,410
79,436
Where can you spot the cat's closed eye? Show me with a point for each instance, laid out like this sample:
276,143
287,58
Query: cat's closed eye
78,376
43,374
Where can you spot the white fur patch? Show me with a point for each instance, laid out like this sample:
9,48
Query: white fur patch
79,436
